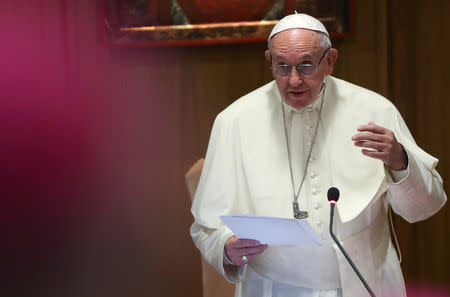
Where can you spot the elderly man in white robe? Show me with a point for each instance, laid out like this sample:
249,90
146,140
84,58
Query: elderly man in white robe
276,151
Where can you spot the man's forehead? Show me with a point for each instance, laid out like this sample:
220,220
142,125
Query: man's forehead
294,59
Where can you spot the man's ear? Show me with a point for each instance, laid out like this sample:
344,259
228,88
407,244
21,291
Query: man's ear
268,56
331,59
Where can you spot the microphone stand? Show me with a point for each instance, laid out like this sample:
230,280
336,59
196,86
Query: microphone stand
332,204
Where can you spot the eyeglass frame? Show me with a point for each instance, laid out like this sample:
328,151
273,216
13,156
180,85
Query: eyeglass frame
299,65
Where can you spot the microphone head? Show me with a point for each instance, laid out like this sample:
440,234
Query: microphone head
333,194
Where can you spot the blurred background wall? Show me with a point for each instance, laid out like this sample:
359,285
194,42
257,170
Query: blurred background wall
95,142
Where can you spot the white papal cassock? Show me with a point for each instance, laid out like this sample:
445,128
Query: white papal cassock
246,171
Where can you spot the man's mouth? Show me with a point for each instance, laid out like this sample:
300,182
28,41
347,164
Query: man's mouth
297,93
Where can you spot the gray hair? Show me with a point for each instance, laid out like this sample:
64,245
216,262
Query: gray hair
324,40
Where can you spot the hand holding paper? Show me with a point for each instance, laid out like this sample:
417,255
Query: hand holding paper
237,248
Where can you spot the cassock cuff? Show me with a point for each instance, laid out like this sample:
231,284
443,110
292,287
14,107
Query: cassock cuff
419,195
397,176
226,260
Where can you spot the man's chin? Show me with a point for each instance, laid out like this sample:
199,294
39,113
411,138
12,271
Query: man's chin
298,100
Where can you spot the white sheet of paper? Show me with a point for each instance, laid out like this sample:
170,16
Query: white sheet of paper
273,230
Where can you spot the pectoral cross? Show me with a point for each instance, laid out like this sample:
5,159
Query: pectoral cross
297,213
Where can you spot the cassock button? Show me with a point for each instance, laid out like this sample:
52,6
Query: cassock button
319,223
312,175
316,205
314,191
309,143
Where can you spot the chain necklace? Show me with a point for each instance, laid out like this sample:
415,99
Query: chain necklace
297,213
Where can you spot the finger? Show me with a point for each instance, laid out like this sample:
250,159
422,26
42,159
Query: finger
371,145
369,136
250,255
251,250
246,251
371,127
235,256
241,243
237,252
238,261
374,154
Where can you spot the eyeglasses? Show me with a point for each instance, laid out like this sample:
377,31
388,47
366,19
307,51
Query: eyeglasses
305,69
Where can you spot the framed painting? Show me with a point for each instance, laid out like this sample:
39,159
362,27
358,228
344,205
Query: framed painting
140,23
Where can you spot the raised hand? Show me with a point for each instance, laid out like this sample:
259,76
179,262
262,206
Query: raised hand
380,143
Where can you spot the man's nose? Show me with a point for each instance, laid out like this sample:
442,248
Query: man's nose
295,78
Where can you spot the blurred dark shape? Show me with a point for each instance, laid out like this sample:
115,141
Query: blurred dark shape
276,12
177,13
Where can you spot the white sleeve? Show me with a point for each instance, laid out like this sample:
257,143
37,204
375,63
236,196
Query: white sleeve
419,195
210,243
219,193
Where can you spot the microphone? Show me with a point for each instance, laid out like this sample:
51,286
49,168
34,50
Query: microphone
333,197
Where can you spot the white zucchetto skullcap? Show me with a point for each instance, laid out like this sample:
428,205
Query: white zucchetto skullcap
298,21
